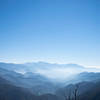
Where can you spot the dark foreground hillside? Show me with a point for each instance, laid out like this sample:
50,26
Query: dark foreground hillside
11,92
92,94
80,91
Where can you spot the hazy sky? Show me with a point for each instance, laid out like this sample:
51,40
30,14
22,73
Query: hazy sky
60,31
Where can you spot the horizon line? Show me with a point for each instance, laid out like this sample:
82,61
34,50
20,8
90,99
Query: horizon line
40,61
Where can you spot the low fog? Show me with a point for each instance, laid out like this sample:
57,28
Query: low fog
58,72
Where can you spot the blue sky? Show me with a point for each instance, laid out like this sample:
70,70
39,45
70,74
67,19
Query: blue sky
59,31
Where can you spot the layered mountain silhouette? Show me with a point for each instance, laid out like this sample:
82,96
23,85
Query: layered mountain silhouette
23,82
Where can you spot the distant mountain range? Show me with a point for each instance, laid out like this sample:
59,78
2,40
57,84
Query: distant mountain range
29,82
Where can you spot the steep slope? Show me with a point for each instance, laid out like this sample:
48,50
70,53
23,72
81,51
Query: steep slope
92,93
11,92
34,82
85,91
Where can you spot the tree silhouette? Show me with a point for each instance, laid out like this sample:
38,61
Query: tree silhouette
75,92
